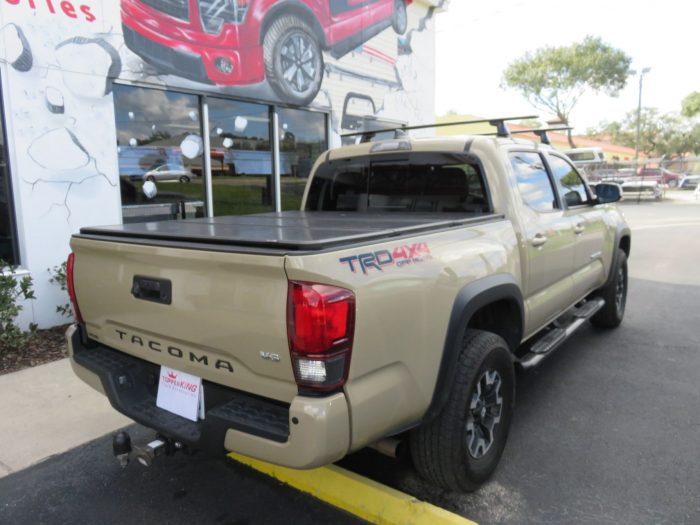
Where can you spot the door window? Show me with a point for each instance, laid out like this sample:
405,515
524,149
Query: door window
569,183
533,182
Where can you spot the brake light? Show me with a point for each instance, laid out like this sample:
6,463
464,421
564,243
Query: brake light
70,264
320,330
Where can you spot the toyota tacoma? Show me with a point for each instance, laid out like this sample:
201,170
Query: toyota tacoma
393,307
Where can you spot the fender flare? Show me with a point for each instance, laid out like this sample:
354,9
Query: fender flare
619,235
468,301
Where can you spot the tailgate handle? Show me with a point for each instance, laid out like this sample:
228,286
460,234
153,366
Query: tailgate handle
150,289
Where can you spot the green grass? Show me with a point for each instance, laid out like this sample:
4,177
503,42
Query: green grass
233,195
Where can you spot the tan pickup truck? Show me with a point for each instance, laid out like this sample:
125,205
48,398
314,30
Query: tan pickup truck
392,308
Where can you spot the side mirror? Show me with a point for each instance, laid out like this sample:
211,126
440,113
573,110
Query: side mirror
607,193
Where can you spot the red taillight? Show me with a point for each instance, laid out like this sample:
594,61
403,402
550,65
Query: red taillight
71,287
320,329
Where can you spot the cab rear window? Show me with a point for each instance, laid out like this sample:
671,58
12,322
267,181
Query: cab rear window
418,182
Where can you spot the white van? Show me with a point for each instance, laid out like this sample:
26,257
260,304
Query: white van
585,156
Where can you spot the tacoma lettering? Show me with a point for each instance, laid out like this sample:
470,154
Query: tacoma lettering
174,351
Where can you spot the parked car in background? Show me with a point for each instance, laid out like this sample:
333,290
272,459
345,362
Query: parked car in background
617,176
643,187
168,172
585,156
663,175
689,182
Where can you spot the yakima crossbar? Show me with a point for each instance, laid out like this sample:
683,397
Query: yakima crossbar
542,133
499,123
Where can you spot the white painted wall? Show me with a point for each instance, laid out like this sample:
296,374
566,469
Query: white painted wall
60,117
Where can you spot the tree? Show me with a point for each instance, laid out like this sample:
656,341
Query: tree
555,78
691,105
669,134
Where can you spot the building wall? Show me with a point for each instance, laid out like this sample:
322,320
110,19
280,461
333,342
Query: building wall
57,64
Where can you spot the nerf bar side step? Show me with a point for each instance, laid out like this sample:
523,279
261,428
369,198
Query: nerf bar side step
551,340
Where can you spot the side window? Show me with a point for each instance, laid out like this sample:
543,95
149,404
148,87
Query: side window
568,181
533,182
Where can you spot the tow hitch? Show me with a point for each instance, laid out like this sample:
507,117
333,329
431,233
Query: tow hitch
146,454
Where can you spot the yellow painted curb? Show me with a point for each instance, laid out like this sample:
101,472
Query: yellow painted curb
360,496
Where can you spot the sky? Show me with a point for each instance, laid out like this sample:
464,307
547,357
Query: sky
477,39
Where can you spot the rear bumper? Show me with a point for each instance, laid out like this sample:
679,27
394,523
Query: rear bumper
308,433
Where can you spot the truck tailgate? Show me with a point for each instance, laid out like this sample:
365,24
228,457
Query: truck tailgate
218,315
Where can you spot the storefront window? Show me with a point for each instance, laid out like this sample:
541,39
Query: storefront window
303,137
160,150
241,157
8,247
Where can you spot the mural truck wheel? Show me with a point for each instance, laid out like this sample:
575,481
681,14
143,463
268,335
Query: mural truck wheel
400,20
293,60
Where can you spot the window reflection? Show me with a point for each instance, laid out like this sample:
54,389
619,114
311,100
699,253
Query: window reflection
533,182
241,157
159,140
303,137
569,182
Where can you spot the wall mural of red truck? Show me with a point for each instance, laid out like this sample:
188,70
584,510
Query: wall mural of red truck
238,42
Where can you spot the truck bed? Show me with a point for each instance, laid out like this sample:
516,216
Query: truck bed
292,231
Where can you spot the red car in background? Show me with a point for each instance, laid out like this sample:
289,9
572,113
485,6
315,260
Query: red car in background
660,174
234,42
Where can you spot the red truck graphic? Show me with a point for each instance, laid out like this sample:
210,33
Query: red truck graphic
234,42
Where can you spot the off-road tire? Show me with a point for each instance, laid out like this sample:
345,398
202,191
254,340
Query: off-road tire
615,295
399,21
286,31
440,449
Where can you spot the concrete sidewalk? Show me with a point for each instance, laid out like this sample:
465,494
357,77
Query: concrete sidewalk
47,410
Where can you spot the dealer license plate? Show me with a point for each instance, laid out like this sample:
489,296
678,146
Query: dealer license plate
180,393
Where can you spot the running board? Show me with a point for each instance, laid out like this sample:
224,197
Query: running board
551,340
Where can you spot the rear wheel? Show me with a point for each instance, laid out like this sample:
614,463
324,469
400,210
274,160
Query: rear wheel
615,295
461,447
293,60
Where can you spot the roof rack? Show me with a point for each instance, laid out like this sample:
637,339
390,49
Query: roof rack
542,132
399,132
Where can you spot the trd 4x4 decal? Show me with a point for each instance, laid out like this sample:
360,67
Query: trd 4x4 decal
378,260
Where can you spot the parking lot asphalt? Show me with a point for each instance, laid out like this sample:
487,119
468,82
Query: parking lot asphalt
87,486
607,430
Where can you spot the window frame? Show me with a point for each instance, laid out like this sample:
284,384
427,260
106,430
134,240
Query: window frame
273,110
11,209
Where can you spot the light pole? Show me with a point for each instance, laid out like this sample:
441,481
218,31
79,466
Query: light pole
639,113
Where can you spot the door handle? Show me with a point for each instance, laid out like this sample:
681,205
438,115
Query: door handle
579,228
539,240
